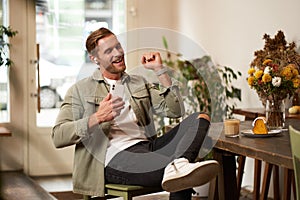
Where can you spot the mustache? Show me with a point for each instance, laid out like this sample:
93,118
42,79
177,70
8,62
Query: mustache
115,58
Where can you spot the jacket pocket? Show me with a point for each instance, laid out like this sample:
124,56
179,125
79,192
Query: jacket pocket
91,104
142,101
93,100
140,94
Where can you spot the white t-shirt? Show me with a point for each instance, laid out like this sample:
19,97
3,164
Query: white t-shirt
124,129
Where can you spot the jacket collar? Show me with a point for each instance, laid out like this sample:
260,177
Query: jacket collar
97,75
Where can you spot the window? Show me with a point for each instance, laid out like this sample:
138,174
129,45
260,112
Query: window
62,27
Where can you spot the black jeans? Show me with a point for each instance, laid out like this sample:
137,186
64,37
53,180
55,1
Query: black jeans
144,163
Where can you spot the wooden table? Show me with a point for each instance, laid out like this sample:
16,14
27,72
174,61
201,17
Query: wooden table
275,150
252,113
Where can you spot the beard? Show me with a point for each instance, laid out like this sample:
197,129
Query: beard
116,66
115,70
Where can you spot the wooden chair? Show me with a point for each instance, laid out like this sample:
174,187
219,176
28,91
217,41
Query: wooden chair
295,143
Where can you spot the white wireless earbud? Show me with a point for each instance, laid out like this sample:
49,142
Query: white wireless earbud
95,59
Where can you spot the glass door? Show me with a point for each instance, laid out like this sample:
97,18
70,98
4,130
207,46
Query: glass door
59,35
61,29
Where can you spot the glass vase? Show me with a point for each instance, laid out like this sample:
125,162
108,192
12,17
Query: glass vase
275,114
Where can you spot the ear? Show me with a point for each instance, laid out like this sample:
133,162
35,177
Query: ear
94,60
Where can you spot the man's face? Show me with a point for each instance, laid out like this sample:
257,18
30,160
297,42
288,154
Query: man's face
110,55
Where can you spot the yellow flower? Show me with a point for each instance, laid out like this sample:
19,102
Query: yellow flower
287,72
266,78
295,72
296,82
251,70
258,74
251,80
267,61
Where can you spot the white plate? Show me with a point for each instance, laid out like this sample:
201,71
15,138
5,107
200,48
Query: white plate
249,133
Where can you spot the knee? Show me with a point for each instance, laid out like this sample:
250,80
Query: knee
204,116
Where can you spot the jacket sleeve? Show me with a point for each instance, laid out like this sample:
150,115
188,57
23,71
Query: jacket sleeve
167,101
70,126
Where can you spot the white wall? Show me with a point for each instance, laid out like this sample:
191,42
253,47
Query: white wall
149,14
232,30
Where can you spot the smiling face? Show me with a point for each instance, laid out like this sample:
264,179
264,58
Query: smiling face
110,57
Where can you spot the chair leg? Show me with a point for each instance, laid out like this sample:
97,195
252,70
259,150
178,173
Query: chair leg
128,197
294,184
86,197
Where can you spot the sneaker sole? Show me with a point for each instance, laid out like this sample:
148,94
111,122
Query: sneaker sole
206,171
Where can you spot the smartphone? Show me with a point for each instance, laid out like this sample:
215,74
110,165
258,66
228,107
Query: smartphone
117,90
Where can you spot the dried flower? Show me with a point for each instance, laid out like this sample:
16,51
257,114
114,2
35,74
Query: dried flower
276,81
251,71
267,70
274,72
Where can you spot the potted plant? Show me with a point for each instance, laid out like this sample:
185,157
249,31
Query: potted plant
202,80
5,61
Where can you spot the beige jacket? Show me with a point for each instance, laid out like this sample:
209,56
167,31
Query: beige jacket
82,100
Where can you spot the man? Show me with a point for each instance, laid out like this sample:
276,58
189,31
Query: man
114,132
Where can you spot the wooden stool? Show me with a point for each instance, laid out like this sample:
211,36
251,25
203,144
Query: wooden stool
130,191
127,191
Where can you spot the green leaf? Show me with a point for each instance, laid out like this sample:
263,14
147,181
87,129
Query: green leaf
165,42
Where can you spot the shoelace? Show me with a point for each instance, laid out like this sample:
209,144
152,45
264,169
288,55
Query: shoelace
174,166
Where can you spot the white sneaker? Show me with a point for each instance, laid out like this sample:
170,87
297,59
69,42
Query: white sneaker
180,174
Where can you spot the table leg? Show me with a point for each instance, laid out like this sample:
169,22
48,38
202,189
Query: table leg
266,181
241,166
287,184
276,183
257,174
228,174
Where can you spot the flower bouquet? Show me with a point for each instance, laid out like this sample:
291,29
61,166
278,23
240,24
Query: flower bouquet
274,74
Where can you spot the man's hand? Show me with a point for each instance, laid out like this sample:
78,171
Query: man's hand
152,60
109,108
